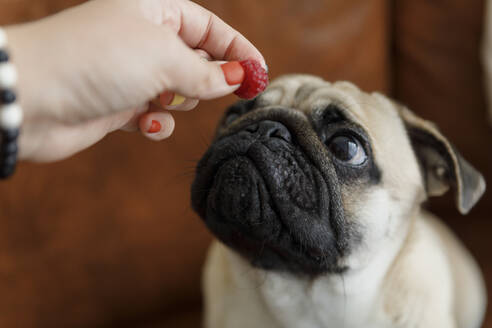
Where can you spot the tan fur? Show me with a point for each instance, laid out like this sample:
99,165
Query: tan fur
409,271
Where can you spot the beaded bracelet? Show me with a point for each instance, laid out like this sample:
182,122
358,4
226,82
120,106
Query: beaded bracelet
10,112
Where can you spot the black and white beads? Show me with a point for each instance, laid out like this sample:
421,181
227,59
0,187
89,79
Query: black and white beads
10,111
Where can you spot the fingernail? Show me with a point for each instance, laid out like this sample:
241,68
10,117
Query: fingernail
155,127
233,72
177,100
166,98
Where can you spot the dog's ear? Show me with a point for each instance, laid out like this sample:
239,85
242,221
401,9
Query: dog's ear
441,164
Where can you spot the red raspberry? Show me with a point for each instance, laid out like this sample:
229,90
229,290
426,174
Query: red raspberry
255,79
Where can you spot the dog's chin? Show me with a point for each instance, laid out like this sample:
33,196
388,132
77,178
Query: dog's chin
273,209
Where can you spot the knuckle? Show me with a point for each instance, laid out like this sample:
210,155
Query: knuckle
205,85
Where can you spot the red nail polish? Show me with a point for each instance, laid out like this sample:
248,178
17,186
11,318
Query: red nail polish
233,72
154,127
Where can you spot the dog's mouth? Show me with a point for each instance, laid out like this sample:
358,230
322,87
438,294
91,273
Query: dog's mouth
265,199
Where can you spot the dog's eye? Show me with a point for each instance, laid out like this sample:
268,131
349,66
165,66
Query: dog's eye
347,149
231,117
238,109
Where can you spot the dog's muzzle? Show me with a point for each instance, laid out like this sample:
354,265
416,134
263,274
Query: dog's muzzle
243,184
261,195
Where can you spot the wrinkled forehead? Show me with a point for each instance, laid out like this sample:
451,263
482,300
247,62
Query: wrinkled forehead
312,95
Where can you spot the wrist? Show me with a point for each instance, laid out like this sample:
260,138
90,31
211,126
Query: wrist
36,72
35,88
10,111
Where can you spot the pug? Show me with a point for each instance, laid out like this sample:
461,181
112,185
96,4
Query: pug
314,191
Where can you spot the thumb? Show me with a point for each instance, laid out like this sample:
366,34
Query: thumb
190,75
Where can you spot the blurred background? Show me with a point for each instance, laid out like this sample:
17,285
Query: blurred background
108,239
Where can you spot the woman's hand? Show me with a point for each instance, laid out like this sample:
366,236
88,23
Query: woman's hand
95,68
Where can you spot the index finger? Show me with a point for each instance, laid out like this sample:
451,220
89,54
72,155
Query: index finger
201,29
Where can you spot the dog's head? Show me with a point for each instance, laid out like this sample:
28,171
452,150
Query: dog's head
313,177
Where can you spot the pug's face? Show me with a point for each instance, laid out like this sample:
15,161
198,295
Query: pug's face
310,177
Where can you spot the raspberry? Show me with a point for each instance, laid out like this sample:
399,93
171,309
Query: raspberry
255,79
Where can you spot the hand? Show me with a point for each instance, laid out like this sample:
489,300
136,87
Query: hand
95,68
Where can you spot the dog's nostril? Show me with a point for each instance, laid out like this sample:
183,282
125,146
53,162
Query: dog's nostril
252,128
270,129
281,133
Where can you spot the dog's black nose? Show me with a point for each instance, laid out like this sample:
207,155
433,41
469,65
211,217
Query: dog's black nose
270,129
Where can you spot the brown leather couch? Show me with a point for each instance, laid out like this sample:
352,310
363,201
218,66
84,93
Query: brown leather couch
108,239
